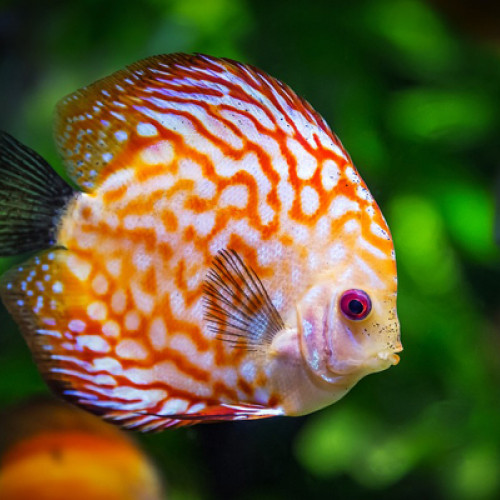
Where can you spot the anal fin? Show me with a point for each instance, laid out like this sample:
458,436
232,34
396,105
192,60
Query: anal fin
48,302
29,292
150,422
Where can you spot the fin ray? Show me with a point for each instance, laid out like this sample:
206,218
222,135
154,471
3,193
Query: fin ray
238,308
146,422
32,197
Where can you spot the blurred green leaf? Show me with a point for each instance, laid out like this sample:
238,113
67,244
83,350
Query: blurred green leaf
421,244
457,118
418,40
474,473
469,210
333,441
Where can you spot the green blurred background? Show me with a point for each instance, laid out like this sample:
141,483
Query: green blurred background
412,88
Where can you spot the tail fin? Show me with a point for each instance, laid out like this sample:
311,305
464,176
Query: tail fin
32,197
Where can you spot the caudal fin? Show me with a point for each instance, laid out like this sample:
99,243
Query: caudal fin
32,197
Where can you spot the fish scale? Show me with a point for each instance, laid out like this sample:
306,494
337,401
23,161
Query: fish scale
181,158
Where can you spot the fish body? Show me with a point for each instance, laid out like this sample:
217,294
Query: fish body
197,274
51,450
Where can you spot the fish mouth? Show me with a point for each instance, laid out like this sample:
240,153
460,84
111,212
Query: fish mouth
390,356
393,358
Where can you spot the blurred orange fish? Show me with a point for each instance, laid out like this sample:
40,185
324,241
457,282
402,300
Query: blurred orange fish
221,260
52,451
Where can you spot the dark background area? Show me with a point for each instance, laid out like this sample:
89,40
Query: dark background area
412,88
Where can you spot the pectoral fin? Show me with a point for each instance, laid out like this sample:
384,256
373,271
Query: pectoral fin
238,308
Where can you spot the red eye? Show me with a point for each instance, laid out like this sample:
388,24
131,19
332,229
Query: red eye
355,304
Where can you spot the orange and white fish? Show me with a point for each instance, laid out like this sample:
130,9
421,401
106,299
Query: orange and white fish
221,260
50,450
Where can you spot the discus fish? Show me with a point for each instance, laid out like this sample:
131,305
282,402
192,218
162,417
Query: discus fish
51,450
221,258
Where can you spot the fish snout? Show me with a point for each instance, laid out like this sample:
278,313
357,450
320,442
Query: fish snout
392,357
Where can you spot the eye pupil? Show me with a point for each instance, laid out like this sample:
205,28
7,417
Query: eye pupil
355,306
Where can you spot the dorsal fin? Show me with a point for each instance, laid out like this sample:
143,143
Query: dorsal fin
177,94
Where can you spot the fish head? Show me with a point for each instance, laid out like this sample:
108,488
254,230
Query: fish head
348,329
